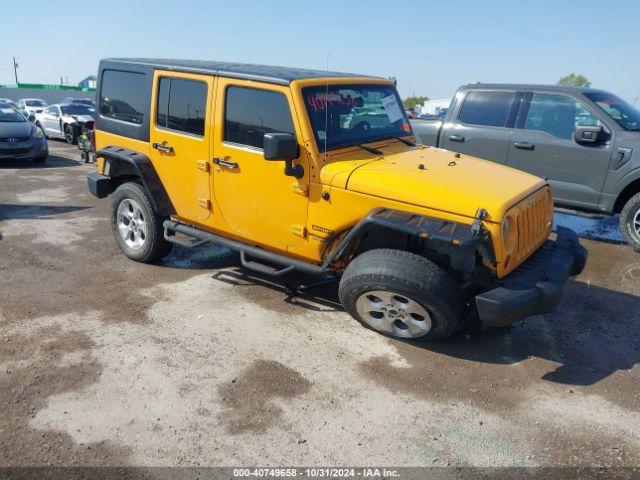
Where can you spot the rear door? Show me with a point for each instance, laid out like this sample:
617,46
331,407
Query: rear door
484,120
543,144
181,113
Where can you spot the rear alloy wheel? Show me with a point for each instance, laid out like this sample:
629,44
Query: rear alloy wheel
136,227
70,134
401,294
630,222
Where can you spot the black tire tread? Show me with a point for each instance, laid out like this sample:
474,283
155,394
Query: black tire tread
626,216
157,247
418,277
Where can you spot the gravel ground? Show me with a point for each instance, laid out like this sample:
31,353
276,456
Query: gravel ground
194,362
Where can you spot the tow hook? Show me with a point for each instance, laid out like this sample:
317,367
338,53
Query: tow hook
476,226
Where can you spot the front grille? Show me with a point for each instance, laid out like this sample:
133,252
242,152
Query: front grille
15,139
533,217
14,151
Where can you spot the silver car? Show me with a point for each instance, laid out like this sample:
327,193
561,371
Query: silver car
31,106
64,120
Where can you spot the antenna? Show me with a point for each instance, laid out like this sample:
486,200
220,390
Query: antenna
326,112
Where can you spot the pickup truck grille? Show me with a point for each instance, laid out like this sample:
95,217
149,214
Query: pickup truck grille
534,217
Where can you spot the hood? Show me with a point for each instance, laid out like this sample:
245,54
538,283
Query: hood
447,183
15,129
80,118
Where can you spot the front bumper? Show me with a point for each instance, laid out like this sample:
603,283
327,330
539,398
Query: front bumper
31,148
535,287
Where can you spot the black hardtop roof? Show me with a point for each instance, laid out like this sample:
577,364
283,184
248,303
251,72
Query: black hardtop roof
266,73
530,86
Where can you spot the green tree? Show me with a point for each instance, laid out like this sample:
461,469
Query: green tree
573,80
411,102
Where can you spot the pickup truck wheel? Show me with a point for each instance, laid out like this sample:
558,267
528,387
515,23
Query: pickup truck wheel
70,134
402,295
136,227
630,222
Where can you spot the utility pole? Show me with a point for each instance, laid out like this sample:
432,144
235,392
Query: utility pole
15,69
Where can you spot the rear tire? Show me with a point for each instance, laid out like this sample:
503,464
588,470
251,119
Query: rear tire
630,222
402,295
137,228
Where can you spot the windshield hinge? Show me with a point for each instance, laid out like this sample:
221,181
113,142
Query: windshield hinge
476,226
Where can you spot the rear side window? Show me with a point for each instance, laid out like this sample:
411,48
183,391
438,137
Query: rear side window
487,108
122,96
250,113
182,105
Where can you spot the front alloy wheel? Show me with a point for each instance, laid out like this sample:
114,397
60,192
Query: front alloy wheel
394,314
630,222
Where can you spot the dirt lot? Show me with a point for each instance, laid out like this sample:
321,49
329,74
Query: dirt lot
107,362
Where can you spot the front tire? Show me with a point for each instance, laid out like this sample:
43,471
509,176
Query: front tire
630,222
70,134
137,228
402,295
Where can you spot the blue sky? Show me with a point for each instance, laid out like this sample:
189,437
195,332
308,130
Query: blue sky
431,47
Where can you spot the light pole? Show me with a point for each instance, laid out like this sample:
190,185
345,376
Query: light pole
15,69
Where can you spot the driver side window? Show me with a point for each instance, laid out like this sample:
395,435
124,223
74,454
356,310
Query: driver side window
250,113
557,115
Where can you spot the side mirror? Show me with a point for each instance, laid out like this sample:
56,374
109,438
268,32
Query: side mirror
590,134
283,147
32,117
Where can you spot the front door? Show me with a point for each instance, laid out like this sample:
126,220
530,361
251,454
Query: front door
543,144
181,114
256,200
50,121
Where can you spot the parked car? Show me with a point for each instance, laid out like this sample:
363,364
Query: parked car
419,238
585,141
7,100
79,101
31,106
20,138
64,121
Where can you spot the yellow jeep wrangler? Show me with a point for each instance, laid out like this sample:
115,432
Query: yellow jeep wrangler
318,172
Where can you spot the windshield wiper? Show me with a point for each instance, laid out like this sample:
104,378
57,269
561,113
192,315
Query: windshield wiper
368,149
405,141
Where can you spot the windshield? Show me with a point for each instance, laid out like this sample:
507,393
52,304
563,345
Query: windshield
9,114
81,101
345,115
35,103
76,110
625,115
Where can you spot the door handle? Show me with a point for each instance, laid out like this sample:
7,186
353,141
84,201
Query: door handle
224,163
456,138
162,148
524,145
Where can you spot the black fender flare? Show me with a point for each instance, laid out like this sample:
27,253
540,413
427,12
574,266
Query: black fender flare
461,241
119,162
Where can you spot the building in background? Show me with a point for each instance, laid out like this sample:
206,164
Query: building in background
90,82
433,107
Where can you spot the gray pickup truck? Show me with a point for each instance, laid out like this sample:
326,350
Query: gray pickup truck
586,142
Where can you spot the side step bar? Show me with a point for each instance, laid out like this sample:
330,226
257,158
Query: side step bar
201,237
